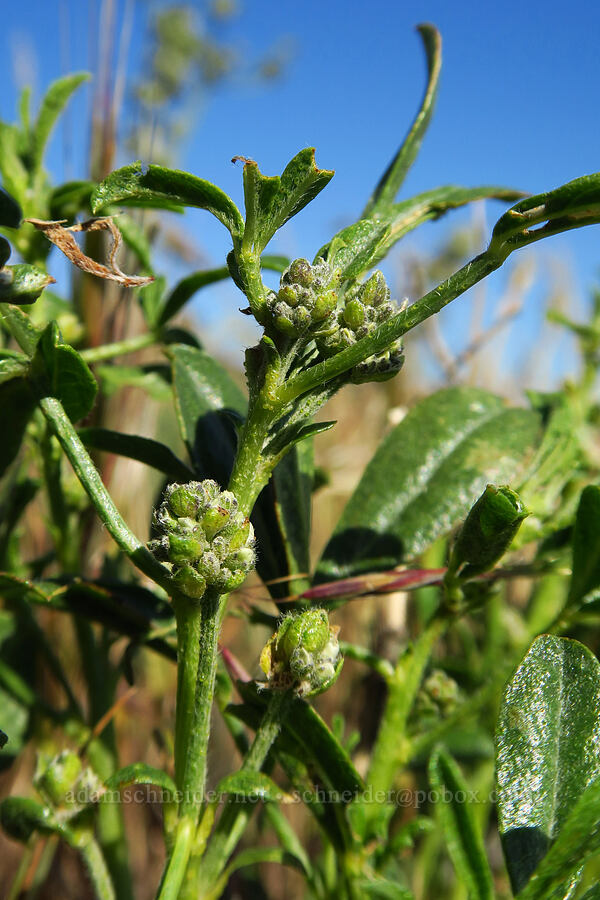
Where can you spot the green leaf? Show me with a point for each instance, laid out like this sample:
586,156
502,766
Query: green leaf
17,403
272,201
5,251
141,773
250,786
548,749
69,199
13,368
185,289
3,740
572,205
354,248
10,211
586,546
51,107
145,450
59,371
307,737
152,379
159,187
15,176
359,247
464,842
395,174
425,476
136,239
22,284
22,328
578,841
384,890
205,394
20,817
151,299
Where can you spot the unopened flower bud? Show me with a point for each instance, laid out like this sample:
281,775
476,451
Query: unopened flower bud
204,538
307,297
364,310
57,776
303,655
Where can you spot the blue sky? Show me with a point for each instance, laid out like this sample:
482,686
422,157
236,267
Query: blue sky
517,106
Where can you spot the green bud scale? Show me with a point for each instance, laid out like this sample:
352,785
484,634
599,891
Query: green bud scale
303,655
306,300
363,311
205,539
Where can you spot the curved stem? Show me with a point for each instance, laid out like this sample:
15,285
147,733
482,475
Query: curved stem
236,814
118,348
91,481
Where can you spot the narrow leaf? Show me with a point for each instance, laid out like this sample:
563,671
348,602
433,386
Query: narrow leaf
140,773
22,284
145,450
20,817
205,398
548,748
272,200
185,290
51,107
17,403
395,174
10,211
157,186
465,844
251,786
577,842
425,476
586,545
59,371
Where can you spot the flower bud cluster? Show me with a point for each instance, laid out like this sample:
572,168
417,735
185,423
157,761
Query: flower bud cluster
303,654
205,538
61,779
439,695
306,298
363,311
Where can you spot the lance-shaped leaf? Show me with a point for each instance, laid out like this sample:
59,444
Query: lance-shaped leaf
145,450
164,188
22,284
395,174
586,545
51,107
579,840
13,367
10,211
58,370
250,786
17,403
463,839
207,401
548,749
141,773
69,199
359,247
271,201
5,251
425,476
572,205
20,817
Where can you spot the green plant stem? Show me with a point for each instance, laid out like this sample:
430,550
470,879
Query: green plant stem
390,331
119,348
178,861
91,481
198,626
236,814
97,870
392,747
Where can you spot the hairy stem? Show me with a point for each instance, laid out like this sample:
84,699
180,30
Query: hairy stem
236,814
